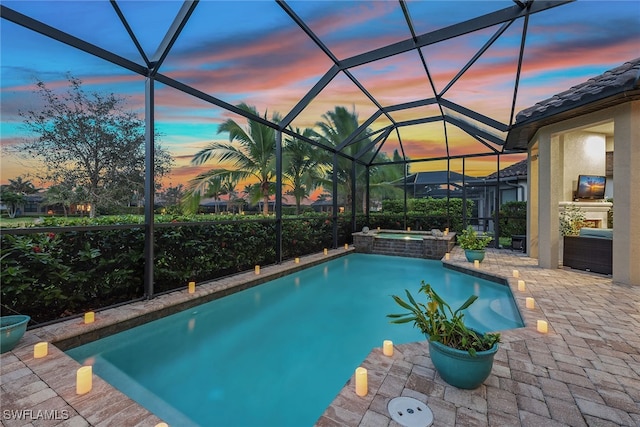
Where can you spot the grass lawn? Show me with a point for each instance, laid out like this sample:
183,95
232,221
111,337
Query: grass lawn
20,221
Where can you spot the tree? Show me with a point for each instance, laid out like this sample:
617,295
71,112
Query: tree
250,150
337,126
88,139
215,190
302,167
13,194
383,176
61,194
172,197
229,187
11,200
20,186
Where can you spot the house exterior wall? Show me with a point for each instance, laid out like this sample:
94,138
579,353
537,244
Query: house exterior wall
590,149
555,162
533,190
626,203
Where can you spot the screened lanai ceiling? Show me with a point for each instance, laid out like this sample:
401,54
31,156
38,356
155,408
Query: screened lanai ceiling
428,79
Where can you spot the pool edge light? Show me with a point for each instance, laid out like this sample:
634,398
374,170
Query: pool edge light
387,348
40,350
542,326
362,387
89,317
84,380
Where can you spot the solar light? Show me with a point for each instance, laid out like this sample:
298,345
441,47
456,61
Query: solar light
40,350
543,326
89,317
387,348
84,380
362,387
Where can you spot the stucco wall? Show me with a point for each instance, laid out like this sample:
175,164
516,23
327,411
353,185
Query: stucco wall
584,154
562,151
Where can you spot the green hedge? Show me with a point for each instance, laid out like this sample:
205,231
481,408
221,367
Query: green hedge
422,214
513,219
100,262
51,275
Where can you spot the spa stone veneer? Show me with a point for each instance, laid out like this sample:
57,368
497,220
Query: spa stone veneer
419,244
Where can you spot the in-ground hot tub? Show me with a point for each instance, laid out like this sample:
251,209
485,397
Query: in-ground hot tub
414,244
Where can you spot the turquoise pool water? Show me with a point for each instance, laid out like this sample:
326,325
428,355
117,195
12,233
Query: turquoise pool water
277,354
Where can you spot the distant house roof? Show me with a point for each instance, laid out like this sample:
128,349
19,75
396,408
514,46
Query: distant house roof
515,170
616,86
433,178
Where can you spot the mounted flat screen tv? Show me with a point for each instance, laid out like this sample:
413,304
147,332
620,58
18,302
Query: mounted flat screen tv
591,187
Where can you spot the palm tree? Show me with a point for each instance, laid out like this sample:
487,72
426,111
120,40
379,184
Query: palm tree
13,195
251,156
337,126
302,167
20,186
383,176
215,190
60,194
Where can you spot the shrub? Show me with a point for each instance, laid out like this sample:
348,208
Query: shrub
571,220
513,219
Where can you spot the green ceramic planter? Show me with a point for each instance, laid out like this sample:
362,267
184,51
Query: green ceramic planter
473,254
12,328
459,368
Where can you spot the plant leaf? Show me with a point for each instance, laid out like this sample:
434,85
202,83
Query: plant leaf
467,303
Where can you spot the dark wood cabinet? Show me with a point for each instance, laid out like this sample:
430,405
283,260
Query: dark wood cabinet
589,254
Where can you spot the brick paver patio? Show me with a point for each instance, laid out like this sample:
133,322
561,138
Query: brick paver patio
584,372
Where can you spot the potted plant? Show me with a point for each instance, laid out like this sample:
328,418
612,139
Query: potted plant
12,328
473,244
462,356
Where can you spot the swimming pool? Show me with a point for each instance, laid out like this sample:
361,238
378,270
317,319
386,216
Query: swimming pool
277,354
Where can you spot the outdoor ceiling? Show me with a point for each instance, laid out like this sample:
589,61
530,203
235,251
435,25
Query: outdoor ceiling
419,74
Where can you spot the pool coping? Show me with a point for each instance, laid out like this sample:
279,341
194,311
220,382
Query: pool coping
73,332
566,377
31,386
50,382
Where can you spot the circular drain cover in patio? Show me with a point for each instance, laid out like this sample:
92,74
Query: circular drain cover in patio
410,412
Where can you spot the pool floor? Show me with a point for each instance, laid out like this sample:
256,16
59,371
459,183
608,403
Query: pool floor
277,354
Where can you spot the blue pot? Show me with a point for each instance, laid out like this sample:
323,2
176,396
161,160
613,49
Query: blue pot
459,368
474,254
12,328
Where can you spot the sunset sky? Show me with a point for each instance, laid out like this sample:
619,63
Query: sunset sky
253,52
